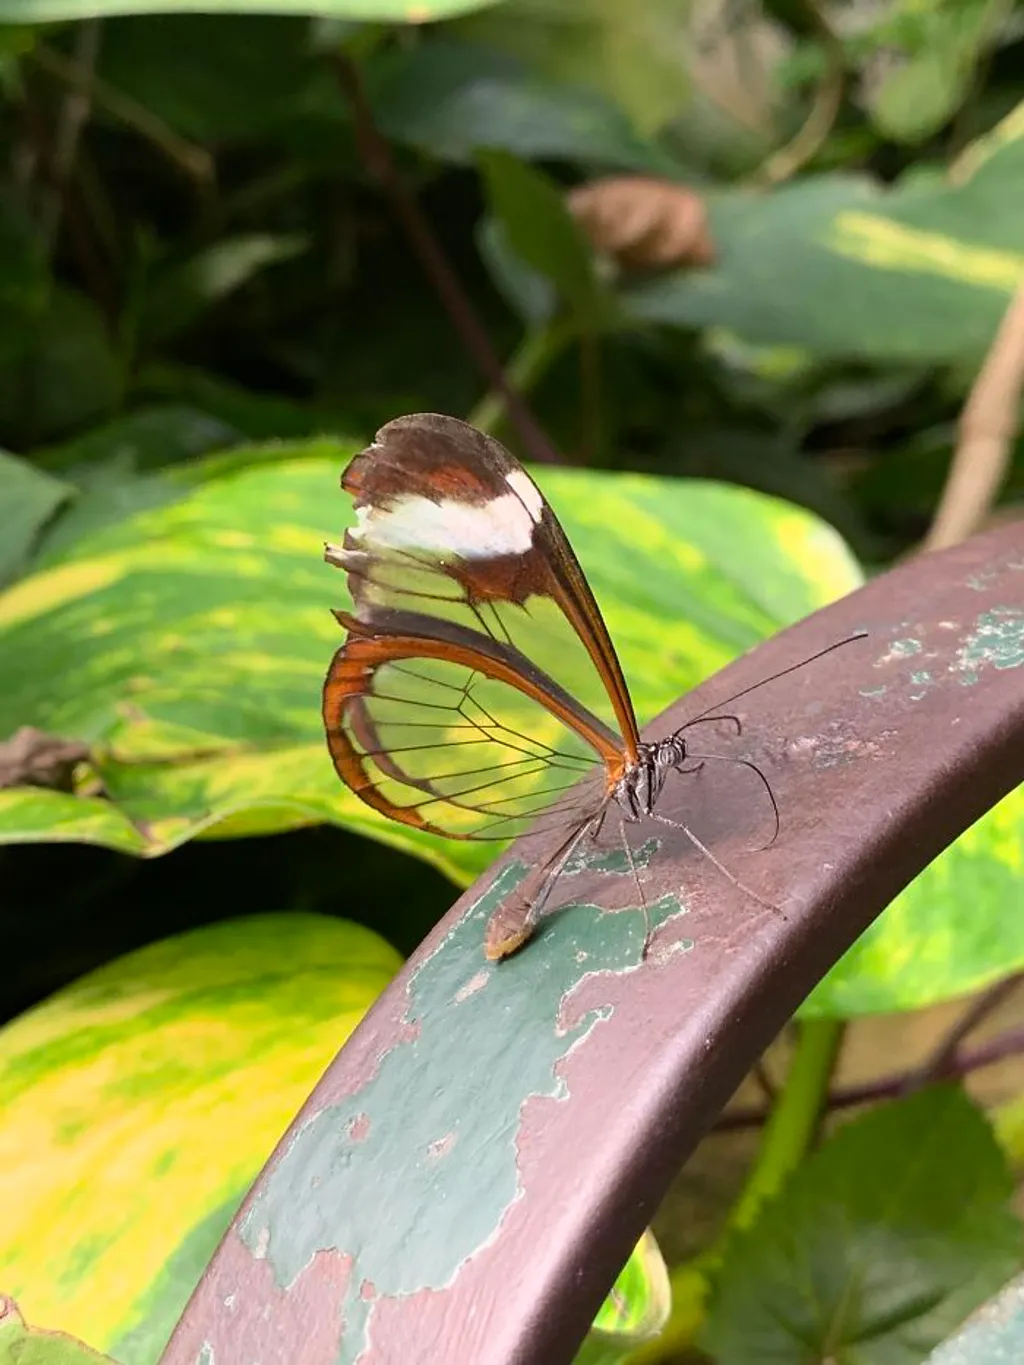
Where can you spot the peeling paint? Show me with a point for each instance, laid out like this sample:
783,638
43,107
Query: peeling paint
900,649
614,861
460,1178
997,640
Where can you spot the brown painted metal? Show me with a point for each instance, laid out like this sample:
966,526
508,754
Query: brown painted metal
879,756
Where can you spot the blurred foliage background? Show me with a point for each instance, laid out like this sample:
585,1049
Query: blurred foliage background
765,246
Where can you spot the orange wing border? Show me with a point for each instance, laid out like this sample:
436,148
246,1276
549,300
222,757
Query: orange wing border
368,648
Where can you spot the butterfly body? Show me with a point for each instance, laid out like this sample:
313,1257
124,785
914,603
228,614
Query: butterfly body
638,789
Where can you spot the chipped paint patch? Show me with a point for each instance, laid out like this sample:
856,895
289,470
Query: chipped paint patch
614,861
923,681
836,745
460,1182
873,691
997,641
900,649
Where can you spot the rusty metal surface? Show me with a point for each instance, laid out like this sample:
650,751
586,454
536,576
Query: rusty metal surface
471,1172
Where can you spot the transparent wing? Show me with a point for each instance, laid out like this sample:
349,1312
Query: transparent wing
478,682
440,744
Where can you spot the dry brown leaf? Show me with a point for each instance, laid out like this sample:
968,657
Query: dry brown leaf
644,223
32,758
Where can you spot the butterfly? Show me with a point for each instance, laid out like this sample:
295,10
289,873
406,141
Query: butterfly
477,694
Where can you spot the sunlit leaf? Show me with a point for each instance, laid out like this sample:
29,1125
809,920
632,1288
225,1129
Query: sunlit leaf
113,1087
394,11
954,929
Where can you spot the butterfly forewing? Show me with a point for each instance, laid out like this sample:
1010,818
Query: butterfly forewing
463,700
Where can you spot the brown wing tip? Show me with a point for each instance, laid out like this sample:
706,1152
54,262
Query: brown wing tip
503,938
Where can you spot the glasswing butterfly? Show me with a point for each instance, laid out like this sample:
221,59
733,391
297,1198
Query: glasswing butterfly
478,694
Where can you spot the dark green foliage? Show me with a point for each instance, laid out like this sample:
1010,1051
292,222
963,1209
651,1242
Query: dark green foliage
879,1245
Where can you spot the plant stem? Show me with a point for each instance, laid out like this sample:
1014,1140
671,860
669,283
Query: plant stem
945,1055
966,1060
786,161
195,161
73,116
377,158
988,426
792,1123
533,357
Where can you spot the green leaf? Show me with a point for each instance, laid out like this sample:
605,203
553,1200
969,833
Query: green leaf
916,99
180,294
639,1303
451,99
917,95
67,375
528,291
948,933
28,499
147,438
223,77
108,491
22,1345
201,632
258,416
23,276
113,1088
920,273
388,11
637,56
877,1247
542,232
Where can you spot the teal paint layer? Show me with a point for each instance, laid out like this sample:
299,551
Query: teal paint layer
997,640
994,1336
442,1113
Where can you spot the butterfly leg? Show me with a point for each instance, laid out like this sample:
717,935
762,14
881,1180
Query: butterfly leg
703,848
648,928
514,922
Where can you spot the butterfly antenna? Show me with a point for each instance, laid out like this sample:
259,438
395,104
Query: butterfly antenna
703,848
762,682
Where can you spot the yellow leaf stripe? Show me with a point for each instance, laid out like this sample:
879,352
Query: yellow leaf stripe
889,245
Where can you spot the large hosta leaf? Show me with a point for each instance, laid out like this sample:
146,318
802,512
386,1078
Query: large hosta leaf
956,928
139,1103
835,263
188,644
